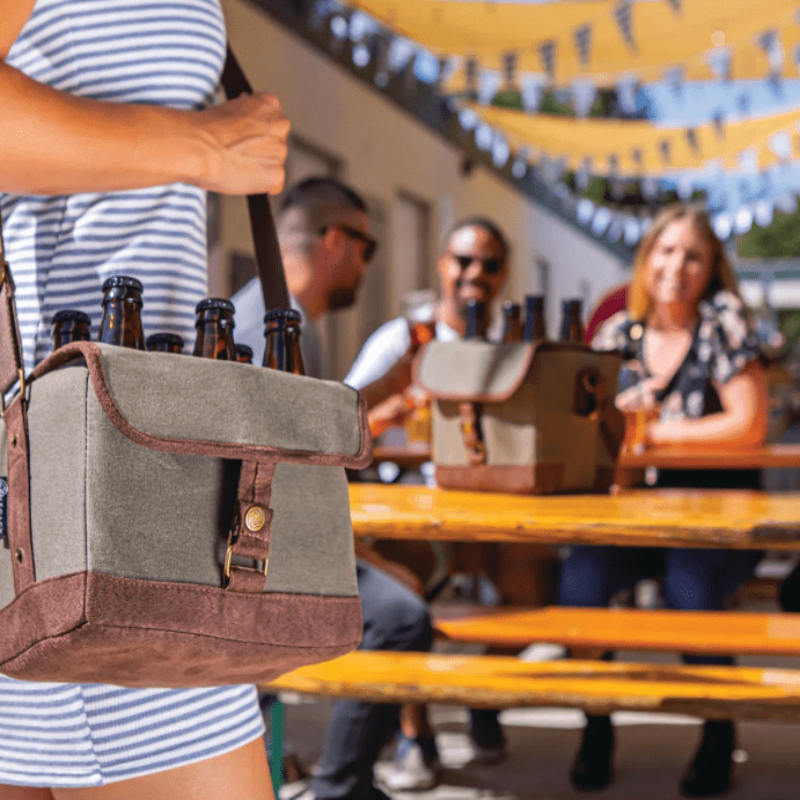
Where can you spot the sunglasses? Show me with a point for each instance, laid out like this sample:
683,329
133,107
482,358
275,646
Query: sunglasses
491,266
370,245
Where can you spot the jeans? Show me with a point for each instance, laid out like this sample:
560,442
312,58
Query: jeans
394,619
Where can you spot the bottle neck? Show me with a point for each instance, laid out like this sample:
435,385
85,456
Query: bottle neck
214,340
122,323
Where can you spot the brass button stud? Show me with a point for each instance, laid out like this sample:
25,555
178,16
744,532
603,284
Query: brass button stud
20,555
255,519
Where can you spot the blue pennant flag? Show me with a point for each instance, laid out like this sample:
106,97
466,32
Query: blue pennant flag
510,71
624,17
547,52
583,43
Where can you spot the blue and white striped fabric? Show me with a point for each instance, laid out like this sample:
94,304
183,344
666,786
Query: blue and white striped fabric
67,735
61,249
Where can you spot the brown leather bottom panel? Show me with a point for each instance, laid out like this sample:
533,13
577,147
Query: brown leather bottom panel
102,629
533,479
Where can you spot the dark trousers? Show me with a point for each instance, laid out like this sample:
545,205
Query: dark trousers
694,579
394,619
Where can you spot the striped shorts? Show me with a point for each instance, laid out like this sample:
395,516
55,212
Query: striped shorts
77,735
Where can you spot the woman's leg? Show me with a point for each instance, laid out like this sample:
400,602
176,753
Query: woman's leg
242,774
24,793
701,580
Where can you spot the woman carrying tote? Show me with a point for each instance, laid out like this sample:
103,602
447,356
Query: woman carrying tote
108,144
693,367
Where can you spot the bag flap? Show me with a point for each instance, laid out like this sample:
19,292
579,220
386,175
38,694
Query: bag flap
240,411
480,371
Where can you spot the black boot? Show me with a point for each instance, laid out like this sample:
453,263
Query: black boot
709,774
592,769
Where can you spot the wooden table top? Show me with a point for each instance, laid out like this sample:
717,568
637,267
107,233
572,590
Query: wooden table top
648,517
765,457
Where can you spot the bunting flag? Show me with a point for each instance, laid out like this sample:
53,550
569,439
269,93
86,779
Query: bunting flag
718,121
719,60
547,54
583,43
488,86
769,41
691,138
664,148
627,92
676,5
583,96
675,77
510,72
623,14
471,72
583,175
532,92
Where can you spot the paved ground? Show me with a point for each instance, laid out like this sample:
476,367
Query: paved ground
651,754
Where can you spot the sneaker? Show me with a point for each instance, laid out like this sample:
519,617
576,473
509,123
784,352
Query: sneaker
414,768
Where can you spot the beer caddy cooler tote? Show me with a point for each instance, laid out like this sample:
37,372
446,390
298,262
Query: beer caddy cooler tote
528,417
153,540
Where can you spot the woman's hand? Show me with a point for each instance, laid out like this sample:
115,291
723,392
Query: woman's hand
247,141
641,397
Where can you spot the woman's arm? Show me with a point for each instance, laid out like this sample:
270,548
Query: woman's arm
52,142
742,423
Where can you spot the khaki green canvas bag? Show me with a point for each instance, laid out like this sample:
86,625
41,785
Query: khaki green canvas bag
174,521
532,418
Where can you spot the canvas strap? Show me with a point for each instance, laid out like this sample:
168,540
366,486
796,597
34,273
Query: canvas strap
250,533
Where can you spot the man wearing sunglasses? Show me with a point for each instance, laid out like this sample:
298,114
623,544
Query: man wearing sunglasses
473,266
323,229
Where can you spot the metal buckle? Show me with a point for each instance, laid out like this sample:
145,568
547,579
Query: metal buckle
226,570
22,386
5,276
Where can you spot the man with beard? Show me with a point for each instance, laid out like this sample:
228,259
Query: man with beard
472,266
323,230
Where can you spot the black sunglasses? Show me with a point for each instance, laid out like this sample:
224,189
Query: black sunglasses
370,245
491,266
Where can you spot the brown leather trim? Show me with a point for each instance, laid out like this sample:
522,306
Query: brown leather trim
10,348
540,346
91,354
534,479
19,504
148,633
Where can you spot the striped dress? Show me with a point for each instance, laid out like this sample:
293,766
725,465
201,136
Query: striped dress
61,249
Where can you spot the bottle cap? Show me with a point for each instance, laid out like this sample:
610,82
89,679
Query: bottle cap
122,280
244,350
164,338
71,315
214,303
287,314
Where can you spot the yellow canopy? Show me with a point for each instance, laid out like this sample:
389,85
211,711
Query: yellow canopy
600,139
661,37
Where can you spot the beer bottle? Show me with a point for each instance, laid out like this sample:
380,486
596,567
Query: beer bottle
214,326
571,325
70,325
535,327
244,353
476,320
282,332
122,313
512,322
165,343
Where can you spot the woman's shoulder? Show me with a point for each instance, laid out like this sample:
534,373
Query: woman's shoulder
614,333
722,305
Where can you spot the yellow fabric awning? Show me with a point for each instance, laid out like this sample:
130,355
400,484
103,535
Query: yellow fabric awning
661,36
599,139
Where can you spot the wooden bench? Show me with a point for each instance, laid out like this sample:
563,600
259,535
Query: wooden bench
598,687
702,632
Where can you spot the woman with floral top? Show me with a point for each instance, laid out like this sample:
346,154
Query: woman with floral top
692,362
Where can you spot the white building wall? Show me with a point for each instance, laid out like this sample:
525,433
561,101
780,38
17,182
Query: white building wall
383,151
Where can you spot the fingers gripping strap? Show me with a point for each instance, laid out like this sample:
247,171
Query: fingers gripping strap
252,527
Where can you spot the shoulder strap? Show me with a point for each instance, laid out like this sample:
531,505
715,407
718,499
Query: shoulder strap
269,263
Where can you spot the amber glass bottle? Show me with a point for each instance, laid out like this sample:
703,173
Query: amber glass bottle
165,343
70,325
122,313
512,322
571,325
282,332
535,325
214,326
477,322
244,353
